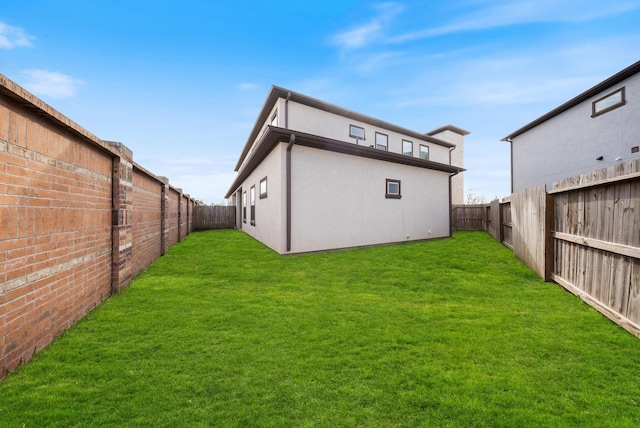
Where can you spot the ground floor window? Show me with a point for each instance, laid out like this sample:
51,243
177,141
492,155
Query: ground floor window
253,205
392,189
263,188
244,206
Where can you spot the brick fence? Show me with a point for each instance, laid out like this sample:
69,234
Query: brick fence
78,219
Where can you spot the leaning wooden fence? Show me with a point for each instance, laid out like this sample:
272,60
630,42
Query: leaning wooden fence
584,235
214,217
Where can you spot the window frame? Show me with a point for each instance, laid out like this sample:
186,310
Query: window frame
420,151
386,136
357,137
389,195
623,100
404,152
262,194
244,206
252,201
274,118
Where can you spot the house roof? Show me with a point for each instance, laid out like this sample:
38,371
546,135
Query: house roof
600,87
449,128
278,92
275,135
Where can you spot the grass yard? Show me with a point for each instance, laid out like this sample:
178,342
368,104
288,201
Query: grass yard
223,332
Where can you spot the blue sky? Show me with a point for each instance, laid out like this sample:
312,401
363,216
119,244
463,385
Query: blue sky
181,83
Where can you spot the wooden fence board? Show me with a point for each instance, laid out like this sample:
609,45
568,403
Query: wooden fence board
214,217
469,217
584,235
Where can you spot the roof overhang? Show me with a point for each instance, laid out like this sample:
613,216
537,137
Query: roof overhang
274,136
278,92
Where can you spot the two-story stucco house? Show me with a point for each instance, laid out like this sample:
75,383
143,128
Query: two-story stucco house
313,176
594,130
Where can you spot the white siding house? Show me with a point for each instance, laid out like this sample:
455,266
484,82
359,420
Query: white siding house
313,176
596,129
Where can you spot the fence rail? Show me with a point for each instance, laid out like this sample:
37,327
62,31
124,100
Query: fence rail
214,217
584,235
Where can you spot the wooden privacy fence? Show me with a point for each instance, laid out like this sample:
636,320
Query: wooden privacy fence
596,240
584,235
214,217
469,217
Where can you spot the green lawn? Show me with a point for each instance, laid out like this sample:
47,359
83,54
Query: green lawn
223,332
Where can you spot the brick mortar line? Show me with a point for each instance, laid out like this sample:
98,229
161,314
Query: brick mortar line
46,272
34,156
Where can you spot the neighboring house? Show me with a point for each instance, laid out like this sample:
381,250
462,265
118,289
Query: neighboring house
596,129
313,176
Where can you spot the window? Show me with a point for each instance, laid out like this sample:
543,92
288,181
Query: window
392,189
608,103
356,132
244,206
253,205
382,141
407,147
424,152
263,188
274,119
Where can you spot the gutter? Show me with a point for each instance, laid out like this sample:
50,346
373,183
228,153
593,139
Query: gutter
292,141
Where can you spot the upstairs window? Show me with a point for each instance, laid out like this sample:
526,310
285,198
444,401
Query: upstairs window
608,103
392,189
407,148
274,119
424,152
356,132
382,141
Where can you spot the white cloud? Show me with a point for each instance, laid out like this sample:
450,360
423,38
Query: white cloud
248,86
503,13
366,33
12,37
50,83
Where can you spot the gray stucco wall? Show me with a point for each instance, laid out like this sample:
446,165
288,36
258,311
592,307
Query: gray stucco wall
269,211
569,143
339,201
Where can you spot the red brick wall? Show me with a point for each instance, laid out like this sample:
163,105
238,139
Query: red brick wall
77,220
55,234
147,219
173,230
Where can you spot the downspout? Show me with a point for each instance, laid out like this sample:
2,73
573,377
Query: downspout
511,155
451,205
451,196
286,110
292,141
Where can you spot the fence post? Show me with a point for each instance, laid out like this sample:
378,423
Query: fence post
500,223
121,218
164,214
549,244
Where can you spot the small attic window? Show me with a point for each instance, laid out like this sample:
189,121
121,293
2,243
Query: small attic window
608,103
